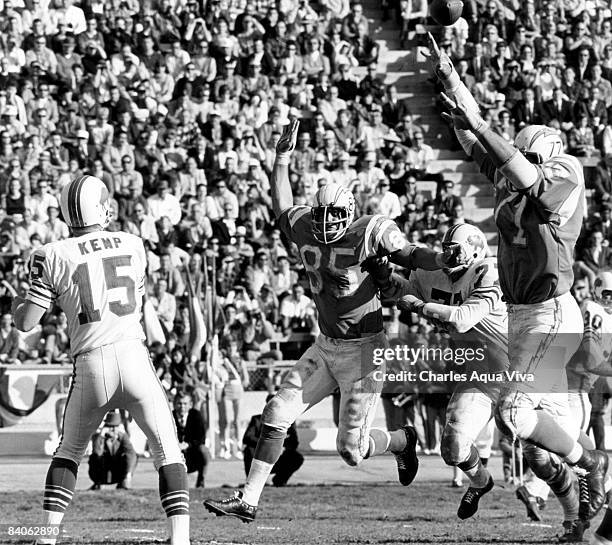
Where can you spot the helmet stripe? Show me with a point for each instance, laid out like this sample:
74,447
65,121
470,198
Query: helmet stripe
74,202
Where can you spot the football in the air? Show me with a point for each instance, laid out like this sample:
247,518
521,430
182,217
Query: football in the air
445,12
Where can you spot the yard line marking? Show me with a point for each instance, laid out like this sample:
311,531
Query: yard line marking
269,528
536,525
140,530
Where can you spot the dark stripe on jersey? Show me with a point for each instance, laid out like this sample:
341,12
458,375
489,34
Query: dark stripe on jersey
70,390
39,293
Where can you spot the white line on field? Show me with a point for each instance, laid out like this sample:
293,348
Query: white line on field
268,528
537,525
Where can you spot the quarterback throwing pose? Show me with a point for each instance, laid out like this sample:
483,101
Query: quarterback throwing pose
539,207
97,278
333,244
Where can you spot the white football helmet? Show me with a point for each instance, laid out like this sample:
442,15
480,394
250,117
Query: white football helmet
471,238
602,287
85,202
332,213
539,143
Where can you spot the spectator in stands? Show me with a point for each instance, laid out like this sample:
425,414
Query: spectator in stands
297,311
164,304
9,340
290,460
191,431
113,459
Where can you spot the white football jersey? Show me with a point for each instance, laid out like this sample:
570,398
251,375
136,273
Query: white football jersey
478,293
98,281
596,341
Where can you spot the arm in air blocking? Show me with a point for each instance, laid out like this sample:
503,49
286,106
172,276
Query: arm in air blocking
489,149
282,196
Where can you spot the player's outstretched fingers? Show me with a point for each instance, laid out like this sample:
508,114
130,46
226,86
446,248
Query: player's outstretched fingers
448,101
434,49
288,139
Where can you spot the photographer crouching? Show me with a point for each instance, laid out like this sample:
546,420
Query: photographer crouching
113,459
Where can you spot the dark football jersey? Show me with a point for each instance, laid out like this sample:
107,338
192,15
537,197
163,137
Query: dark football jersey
538,229
346,298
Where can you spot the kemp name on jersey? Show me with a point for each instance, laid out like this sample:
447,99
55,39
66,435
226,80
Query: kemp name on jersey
346,298
538,229
97,279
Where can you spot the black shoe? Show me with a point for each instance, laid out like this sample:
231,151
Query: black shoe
95,486
199,482
407,461
232,507
592,488
531,503
469,502
573,531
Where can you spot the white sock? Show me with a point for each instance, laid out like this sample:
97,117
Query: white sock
379,442
178,528
575,454
258,475
50,518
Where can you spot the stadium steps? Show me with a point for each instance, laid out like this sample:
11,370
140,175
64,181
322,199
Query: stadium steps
409,71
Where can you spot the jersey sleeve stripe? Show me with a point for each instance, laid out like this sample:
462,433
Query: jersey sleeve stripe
385,225
368,236
296,214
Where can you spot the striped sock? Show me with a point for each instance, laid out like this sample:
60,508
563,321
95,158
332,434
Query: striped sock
173,490
60,484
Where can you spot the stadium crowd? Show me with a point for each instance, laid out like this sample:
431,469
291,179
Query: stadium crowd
177,105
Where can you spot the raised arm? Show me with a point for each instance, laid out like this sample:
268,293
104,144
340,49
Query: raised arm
489,149
282,197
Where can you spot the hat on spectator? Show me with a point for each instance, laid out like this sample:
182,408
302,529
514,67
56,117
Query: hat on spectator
344,156
112,419
253,162
320,158
10,110
370,156
82,134
241,231
330,134
500,97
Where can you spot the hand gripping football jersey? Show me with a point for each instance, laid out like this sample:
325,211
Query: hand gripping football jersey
476,294
98,281
538,229
346,298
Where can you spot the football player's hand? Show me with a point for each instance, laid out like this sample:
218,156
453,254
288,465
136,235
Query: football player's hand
457,255
460,116
410,303
287,141
440,62
17,300
378,268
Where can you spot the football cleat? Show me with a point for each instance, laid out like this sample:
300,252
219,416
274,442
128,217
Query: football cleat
531,503
407,460
232,507
85,201
469,502
592,488
573,531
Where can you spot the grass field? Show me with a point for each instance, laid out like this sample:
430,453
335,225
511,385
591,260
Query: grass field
332,514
